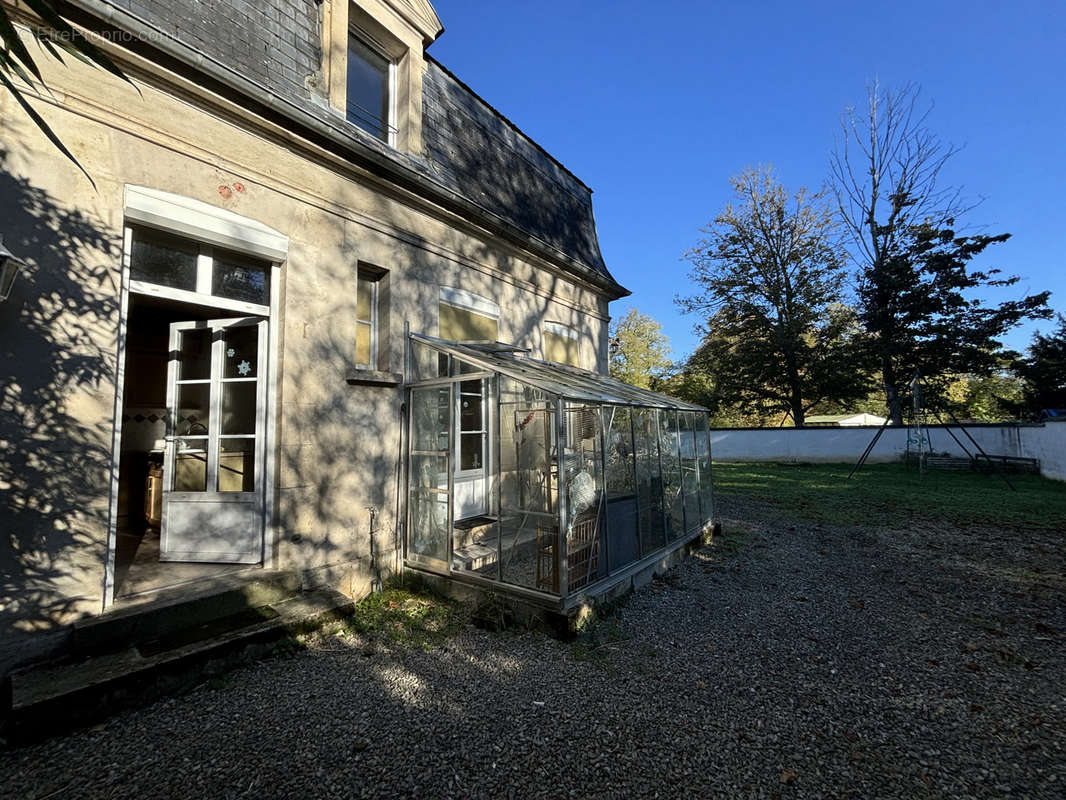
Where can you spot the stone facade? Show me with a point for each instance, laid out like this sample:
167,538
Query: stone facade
336,443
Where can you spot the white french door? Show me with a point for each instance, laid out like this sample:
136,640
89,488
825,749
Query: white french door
213,469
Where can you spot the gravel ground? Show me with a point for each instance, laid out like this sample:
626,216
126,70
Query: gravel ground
795,659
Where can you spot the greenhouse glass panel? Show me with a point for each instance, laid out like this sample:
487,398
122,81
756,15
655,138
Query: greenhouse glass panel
690,481
651,525
581,466
529,522
703,455
670,451
623,545
428,497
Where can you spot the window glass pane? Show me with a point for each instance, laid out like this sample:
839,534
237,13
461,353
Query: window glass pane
362,344
242,279
368,89
236,465
164,260
195,355
241,351
238,407
364,300
190,465
461,325
561,349
193,409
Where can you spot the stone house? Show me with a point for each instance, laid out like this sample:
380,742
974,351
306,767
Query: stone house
303,232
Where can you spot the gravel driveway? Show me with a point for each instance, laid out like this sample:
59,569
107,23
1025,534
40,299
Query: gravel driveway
798,659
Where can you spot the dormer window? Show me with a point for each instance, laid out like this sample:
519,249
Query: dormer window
371,81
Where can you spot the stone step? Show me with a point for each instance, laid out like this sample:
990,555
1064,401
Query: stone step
53,698
163,613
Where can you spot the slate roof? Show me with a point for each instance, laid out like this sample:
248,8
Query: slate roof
469,147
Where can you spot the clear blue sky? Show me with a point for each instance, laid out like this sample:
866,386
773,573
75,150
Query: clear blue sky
656,105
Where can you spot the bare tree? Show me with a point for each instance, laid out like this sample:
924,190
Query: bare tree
885,173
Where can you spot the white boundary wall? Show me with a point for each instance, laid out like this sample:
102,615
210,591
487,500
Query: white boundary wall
1046,442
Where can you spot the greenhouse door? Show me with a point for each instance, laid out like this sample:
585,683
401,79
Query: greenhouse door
429,507
470,487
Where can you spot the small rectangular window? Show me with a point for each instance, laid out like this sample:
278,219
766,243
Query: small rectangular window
561,344
368,317
463,325
369,100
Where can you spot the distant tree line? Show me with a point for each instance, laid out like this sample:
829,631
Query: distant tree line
830,301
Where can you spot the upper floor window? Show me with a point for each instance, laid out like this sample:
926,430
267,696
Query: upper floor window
370,96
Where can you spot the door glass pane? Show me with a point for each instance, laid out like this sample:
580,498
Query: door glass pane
241,351
238,278
193,409
236,465
163,259
190,465
471,455
195,364
238,407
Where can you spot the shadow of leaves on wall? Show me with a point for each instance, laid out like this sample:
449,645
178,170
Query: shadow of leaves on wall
57,357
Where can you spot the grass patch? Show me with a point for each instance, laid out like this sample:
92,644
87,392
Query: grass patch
890,494
408,616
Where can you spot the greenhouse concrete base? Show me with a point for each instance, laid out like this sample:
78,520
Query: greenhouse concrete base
497,606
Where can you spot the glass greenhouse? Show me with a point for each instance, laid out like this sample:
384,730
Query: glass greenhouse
542,478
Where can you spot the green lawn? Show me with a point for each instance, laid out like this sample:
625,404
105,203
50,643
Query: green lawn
890,494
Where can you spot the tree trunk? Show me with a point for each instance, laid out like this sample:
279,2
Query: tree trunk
895,410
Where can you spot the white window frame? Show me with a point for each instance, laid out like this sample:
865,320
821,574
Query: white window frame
370,43
364,276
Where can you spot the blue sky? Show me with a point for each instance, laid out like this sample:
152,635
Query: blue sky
656,105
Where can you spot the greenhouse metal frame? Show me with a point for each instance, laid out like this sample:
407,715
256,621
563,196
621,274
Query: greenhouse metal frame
493,499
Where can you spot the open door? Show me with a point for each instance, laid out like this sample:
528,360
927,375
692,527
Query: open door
213,464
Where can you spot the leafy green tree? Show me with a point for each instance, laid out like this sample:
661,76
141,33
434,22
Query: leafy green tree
55,36
997,397
772,277
912,266
640,351
1044,371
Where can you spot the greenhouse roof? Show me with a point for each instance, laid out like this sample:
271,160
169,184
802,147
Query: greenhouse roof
570,383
